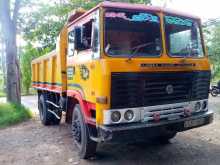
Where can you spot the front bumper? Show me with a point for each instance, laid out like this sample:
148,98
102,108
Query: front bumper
143,130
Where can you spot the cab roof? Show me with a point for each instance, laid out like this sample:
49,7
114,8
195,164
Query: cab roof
123,5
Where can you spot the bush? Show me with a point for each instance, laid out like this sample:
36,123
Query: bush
11,114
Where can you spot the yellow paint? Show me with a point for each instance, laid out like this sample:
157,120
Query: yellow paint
51,68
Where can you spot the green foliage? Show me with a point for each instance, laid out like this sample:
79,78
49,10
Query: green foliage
11,114
43,25
2,94
29,54
84,4
212,36
1,83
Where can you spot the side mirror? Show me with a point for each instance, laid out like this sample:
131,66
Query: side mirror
78,38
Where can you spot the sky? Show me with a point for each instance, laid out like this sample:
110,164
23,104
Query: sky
205,9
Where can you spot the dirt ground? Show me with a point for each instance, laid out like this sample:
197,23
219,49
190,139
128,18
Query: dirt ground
30,143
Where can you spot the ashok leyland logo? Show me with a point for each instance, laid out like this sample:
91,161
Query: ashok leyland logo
169,89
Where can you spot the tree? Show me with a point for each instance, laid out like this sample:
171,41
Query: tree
27,56
44,25
9,24
212,36
26,59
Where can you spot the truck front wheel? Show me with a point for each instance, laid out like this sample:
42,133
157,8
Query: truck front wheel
86,147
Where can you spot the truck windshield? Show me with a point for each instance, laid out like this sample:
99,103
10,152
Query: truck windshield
129,33
183,37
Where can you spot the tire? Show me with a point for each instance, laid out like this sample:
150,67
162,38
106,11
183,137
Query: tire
214,92
86,147
46,117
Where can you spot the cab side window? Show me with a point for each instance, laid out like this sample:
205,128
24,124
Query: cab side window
71,47
90,36
87,35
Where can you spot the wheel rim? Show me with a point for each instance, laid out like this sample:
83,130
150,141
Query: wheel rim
76,129
214,92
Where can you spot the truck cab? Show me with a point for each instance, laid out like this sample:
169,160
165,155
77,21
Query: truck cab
127,71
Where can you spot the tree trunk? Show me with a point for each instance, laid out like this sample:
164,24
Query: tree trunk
13,70
13,73
3,64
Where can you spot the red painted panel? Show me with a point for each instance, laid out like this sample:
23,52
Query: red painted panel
52,88
85,105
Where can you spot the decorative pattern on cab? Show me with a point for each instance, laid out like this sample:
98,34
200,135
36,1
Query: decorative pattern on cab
84,72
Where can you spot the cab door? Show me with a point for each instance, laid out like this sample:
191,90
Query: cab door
83,52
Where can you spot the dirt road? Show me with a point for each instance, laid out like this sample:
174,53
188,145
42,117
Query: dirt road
30,143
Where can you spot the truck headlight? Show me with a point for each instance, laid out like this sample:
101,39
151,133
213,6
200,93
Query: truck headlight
129,115
119,116
115,116
197,107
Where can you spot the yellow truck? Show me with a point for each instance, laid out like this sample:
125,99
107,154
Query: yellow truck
125,71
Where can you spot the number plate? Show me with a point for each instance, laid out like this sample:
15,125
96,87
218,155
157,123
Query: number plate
193,123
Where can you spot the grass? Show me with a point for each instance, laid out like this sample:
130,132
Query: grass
11,114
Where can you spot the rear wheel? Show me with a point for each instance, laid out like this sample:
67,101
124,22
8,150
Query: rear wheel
86,147
214,92
46,117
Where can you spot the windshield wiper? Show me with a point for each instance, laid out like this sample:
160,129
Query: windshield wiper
137,48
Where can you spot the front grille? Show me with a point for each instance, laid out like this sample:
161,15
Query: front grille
148,89
171,112
200,86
